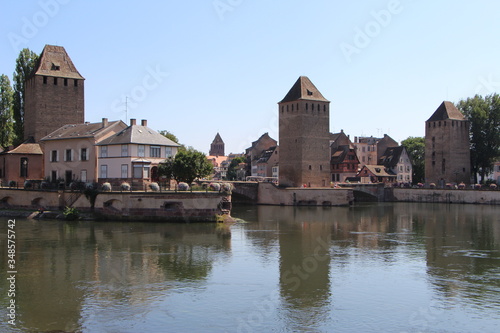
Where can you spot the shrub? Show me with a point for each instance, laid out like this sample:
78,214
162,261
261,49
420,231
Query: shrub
45,185
106,187
28,185
125,186
227,187
12,183
154,187
183,187
71,213
214,186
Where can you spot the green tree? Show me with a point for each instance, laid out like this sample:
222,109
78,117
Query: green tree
415,146
25,64
6,112
171,136
231,170
483,114
186,166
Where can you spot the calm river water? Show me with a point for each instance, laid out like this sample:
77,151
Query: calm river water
369,268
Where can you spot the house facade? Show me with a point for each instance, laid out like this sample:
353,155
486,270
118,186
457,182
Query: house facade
397,160
344,162
267,162
376,174
70,151
254,153
133,155
21,163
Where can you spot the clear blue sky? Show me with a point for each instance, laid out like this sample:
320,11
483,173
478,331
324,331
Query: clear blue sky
196,68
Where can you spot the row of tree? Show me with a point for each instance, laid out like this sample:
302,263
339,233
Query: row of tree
12,99
483,114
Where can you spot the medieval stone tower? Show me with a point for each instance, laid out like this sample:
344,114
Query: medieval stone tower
217,146
54,94
304,136
447,149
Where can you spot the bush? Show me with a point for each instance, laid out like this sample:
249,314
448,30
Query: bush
106,187
227,187
125,186
45,185
183,187
28,185
71,213
154,187
214,186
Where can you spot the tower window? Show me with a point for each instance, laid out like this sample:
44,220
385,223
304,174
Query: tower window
310,167
75,83
44,80
65,82
55,81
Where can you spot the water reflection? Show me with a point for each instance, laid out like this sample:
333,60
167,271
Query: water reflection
385,267
69,273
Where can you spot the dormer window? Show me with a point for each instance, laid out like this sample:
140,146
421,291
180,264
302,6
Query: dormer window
55,67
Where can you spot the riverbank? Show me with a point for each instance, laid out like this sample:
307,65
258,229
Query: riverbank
168,206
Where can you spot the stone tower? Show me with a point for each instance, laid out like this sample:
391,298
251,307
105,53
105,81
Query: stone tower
304,136
447,148
54,94
217,146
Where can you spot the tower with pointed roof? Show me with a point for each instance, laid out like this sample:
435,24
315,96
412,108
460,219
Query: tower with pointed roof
447,147
54,94
304,136
217,146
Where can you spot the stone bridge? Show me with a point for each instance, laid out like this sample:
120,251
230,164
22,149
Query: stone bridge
369,192
245,192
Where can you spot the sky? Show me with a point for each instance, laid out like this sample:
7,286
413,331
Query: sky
195,68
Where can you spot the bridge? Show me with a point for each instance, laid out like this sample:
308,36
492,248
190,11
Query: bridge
368,192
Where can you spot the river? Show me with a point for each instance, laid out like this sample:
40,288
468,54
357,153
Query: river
403,267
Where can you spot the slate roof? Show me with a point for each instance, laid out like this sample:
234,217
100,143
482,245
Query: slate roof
54,61
25,149
76,131
447,110
339,155
266,155
303,89
138,134
391,157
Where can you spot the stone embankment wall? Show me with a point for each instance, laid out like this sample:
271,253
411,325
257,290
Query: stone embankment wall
269,194
445,196
166,206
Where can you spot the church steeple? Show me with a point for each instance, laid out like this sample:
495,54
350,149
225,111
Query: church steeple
217,146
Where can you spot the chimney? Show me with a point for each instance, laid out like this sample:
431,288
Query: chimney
144,122
104,122
132,122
